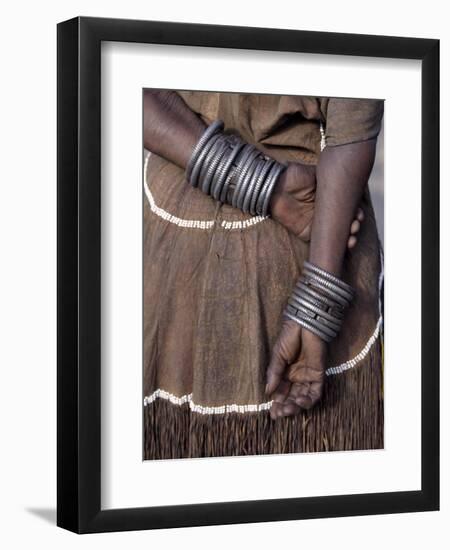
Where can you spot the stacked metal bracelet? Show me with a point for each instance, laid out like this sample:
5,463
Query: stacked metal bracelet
319,301
232,171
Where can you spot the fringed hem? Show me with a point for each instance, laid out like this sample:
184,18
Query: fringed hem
350,417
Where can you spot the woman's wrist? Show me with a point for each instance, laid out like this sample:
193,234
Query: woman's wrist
232,171
318,302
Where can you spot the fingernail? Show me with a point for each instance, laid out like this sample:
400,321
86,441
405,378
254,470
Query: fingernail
267,388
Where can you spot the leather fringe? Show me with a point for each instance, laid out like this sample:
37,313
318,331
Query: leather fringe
350,417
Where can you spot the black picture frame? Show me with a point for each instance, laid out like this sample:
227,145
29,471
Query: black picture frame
79,281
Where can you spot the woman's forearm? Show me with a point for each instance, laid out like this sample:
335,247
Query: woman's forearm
342,173
171,128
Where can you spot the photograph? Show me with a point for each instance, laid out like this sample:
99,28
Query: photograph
224,262
263,233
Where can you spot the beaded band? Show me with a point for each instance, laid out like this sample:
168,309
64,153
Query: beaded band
231,171
318,302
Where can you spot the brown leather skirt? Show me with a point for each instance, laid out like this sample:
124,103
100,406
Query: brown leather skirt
215,285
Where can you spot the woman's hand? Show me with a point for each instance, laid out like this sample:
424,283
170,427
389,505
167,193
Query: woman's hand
296,373
292,202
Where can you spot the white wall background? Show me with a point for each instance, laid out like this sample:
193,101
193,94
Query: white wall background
28,271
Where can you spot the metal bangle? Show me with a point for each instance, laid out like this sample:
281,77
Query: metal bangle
241,177
212,129
220,171
332,278
245,177
334,307
226,180
202,159
343,302
331,286
241,163
321,304
308,315
265,210
318,301
223,169
220,150
308,301
308,326
251,188
230,189
319,319
335,324
211,157
267,166
262,193
270,186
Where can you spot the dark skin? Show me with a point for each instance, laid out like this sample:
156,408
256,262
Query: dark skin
296,373
172,129
331,191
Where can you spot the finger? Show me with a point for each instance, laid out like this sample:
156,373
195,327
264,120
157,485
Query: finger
360,215
275,409
299,392
355,227
289,409
298,389
306,395
351,243
279,398
275,372
281,392
305,402
286,348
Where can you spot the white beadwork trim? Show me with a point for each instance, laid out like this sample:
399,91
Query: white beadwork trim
222,409
162,394
197,224
323,138
193,224
331,371
353,362
242,224
258,407
339,369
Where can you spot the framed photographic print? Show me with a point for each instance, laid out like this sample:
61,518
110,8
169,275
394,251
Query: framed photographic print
248,256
